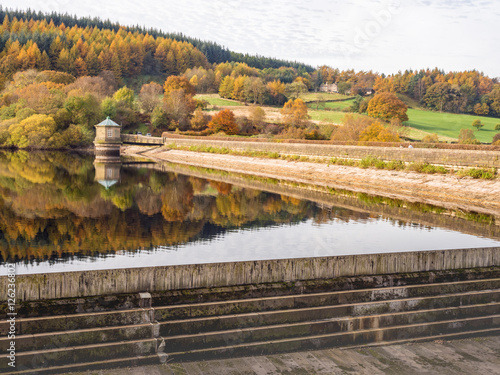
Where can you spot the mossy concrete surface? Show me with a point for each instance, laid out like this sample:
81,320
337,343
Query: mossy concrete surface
439,357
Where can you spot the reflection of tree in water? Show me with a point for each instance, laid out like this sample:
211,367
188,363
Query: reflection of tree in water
51,207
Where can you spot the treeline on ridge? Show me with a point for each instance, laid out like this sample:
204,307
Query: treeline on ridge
214,52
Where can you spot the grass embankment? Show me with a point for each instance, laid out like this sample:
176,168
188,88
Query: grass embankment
367,162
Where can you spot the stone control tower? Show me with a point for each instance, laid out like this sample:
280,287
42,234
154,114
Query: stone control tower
107,139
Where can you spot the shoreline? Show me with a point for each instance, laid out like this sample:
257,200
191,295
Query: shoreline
482,196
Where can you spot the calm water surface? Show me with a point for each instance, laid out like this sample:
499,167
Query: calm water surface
63,212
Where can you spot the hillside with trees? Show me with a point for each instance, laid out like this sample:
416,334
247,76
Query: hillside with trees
60,75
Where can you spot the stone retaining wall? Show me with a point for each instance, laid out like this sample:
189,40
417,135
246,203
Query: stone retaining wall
459,158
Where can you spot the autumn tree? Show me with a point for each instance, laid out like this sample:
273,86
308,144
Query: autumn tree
477,124
386,106
430,138
200,120
177,83
481,109
179,107
294,112
96,86
257,115
496,139
124,96
438,95
34,131
255,90
294,89
84,110
376,132
239,88
352,128
466,136
226,87
149,96
277,91
224,121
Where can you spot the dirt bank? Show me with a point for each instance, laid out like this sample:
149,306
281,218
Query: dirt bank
442,190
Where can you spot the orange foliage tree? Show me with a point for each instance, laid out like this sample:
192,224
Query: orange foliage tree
224,121
386,106
294,112
176,83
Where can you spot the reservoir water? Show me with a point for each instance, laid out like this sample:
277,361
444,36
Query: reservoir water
64,212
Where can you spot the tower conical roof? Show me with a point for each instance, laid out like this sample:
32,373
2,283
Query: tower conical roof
108,122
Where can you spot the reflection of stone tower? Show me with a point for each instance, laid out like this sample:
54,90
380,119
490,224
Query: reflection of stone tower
107,172
107,139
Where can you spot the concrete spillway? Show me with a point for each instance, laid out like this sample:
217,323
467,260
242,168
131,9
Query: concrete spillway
262,307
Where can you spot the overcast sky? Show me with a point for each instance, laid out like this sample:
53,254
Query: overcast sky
382,35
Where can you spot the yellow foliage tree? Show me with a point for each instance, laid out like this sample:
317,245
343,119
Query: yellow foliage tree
34,131
376,132
294,112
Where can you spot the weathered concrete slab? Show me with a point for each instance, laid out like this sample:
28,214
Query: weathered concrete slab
467,356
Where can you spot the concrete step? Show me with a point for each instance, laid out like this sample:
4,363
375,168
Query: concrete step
425,331
143,351
245,327
335,325
82,337
186,311
175,312
155,359
82,354
58,323
253,319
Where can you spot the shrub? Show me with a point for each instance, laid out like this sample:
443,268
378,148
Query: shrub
478,173
467,137
395,165
496,139
376,132
371,161
431,138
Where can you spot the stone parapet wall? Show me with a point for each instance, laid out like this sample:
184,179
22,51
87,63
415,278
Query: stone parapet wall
152,279
459,158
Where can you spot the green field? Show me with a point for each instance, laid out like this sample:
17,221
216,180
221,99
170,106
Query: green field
449,124
215,99
329,116
321,96
334,106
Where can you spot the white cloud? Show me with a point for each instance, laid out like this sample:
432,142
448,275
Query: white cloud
383,35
